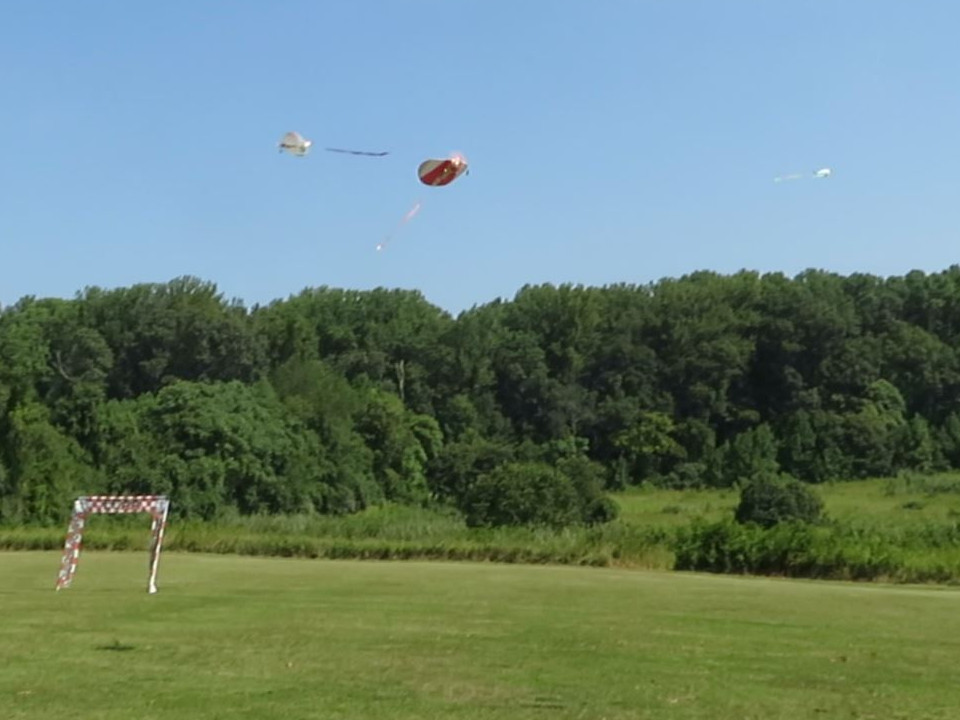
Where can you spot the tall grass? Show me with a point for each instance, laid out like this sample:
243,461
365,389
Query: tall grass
907,483
839,551
904,529
392,532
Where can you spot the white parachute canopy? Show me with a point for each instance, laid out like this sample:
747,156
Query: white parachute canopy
821,173
295,144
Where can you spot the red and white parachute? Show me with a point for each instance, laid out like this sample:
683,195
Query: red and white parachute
437,173
433,173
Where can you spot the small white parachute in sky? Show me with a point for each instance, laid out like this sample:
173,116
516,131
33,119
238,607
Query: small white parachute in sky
821,173
295,144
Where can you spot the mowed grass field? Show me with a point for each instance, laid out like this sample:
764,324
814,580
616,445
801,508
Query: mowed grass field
244,637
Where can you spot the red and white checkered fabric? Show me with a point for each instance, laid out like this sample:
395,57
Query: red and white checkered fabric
117,504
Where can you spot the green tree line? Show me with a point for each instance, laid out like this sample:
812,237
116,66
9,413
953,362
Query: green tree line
515,411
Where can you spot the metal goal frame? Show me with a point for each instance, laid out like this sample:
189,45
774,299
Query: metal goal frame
157,505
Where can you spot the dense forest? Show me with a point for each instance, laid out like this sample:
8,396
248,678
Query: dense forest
516,411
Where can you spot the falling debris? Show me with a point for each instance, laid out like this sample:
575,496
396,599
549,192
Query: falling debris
357,152
406,218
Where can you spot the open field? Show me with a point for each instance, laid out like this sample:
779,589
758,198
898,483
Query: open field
231,637
908,500
904,529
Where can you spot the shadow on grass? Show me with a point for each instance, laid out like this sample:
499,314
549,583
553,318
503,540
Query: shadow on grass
116,646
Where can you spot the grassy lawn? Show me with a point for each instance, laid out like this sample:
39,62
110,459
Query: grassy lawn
239,637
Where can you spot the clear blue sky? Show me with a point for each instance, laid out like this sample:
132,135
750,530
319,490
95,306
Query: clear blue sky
609,141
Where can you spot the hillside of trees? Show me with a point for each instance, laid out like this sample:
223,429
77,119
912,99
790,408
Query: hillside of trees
519,411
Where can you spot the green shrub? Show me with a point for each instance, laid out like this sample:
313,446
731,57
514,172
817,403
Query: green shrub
523,493
587,478
769,500
685,476
601,510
